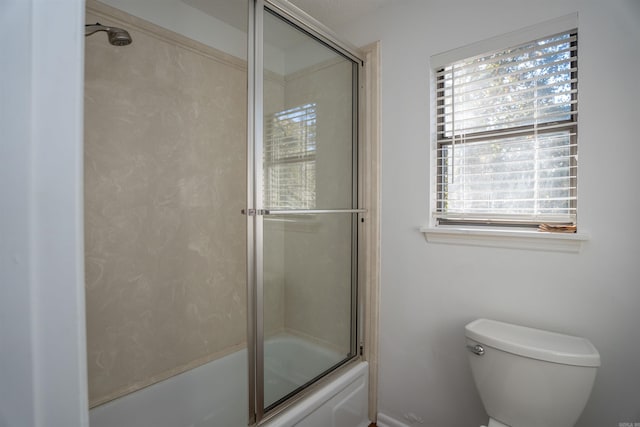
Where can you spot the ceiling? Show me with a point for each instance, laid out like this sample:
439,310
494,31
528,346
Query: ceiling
332,13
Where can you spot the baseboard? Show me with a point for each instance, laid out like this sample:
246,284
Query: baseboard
387,421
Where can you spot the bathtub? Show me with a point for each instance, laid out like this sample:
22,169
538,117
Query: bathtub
215,394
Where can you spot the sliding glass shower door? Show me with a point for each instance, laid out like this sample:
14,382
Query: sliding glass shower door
303,206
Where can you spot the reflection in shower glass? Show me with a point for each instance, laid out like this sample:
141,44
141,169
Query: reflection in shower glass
290,158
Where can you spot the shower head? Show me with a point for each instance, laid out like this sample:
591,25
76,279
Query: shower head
117,36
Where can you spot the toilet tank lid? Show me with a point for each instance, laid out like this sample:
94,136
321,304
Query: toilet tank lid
534,343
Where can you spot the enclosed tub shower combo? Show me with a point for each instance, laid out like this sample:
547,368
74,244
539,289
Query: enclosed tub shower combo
223,217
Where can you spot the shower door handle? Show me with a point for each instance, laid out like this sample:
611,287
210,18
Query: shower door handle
259,212
310,211
254,212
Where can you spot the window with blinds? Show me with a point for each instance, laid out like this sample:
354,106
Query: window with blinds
506,150
290,159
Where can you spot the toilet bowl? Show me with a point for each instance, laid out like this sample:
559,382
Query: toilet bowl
529,377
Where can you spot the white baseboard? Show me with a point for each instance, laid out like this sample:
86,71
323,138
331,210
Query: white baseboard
387,421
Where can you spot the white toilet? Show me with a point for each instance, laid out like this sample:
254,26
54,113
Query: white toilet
530,378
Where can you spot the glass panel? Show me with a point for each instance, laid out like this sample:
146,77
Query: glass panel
308,126
527,175
531,83
307,165
307,299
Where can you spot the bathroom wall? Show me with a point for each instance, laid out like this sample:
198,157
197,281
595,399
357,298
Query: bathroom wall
42,362
165,180
430,291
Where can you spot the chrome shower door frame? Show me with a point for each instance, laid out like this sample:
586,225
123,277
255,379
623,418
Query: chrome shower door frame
255,211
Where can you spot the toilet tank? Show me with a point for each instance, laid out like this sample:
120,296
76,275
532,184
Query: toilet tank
529,377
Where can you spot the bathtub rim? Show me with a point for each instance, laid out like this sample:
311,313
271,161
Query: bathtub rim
323,380
313,396
326,387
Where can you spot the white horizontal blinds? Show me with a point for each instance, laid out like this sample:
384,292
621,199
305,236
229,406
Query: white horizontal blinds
506,134
290,158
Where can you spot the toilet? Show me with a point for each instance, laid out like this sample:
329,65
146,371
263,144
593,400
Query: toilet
529,377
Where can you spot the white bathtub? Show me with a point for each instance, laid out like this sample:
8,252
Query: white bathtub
215,394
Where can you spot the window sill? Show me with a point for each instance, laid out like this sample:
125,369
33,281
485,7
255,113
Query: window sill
510,239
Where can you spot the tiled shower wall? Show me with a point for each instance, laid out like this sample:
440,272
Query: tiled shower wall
165,180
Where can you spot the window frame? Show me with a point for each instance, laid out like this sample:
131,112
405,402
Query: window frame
441,140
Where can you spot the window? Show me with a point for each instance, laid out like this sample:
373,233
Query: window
290,159
506,137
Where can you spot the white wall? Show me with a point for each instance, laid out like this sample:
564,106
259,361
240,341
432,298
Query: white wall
430,291
42,340
16,387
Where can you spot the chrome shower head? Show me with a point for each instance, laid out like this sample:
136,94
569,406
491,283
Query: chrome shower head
117,36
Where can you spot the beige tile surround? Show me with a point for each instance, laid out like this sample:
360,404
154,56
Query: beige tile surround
165,180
